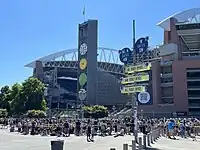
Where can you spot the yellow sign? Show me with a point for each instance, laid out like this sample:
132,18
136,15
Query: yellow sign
134,89
139,68
133,79
83,63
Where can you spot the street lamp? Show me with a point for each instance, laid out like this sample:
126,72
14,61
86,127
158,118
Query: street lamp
82,94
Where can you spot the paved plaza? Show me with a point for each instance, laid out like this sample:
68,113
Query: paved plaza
179,144
14,141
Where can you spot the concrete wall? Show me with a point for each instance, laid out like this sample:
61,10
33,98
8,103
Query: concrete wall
38,71
108,90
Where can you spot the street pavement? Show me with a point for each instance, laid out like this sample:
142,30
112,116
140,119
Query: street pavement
15,141
179,144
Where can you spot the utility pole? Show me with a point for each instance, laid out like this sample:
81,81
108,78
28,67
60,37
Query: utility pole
84,13
134,95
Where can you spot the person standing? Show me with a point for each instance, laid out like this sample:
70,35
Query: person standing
88,132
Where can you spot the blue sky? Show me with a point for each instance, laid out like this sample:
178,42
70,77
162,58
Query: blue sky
30,29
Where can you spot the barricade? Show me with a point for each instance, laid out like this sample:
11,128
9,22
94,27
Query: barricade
144,142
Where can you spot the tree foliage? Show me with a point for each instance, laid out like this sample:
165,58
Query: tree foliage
95,111
36,114
3,113
20,98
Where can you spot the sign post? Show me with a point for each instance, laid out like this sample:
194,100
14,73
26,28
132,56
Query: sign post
131,84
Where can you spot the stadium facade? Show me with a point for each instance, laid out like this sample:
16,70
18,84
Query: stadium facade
61,79
175,71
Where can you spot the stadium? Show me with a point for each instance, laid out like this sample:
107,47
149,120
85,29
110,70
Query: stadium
59,72
174,73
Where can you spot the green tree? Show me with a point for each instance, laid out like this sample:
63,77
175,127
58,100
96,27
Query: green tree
3,113
15,91
33,94
18,99
5,98
5,89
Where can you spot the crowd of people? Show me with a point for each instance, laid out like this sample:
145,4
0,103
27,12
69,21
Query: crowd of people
101,127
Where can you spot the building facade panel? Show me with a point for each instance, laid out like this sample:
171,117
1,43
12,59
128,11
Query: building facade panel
179,69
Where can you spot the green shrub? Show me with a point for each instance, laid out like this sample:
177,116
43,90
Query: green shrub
95,111
36,114
3,113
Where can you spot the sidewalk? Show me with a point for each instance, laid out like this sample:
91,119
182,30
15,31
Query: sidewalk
179,144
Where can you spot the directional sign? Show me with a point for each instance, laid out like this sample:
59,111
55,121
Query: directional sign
125,55
141,45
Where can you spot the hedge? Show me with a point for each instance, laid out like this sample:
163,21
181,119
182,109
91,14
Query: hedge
36,114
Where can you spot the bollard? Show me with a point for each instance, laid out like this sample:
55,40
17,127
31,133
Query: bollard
125,146
133,145
57,145
144,141
140,144
148,139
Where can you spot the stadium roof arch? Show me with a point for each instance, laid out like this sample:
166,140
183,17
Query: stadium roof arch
108,60
187,16
106,55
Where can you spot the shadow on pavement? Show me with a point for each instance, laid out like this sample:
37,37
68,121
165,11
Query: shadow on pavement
147,148
150,148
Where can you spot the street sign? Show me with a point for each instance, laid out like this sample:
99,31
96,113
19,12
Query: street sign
125,55
141,45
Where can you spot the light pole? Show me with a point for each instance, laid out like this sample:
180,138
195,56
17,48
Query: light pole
82,95
134,110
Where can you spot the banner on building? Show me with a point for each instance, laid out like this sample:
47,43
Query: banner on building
139,68
134,79
130,90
